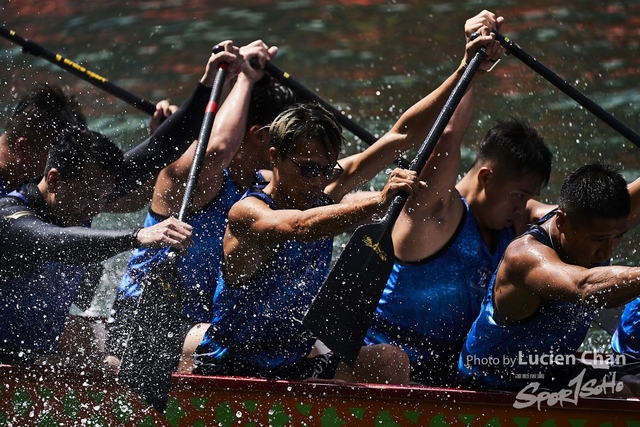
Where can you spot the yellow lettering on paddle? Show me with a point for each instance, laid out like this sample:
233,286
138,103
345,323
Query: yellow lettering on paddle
368,242
80,68
167,287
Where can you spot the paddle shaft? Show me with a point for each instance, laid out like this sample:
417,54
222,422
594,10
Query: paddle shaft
568,89
203,140
309,95
78,70
159,329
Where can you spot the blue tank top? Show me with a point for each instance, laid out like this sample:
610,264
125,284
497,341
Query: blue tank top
626,338
260,321
35,305
428,306
556,329
198,267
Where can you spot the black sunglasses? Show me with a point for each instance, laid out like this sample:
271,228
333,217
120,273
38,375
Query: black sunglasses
330,172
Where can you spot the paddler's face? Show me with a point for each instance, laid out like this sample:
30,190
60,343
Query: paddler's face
589,242
505,198
78,201
306,171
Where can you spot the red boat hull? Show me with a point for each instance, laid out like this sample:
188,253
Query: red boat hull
39,396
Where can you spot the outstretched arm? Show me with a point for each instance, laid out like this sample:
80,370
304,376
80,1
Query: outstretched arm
428,221
255,229
531,273
414,125
28,240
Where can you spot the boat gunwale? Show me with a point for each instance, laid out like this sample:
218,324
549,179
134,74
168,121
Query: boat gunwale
326,389
185,383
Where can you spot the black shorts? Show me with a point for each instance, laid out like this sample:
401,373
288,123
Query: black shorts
323,366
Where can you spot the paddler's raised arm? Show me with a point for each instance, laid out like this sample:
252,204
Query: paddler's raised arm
226,138
414,125
143,162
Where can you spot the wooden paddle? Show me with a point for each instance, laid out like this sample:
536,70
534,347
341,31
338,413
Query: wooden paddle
341,312
515,50
155,341
286,79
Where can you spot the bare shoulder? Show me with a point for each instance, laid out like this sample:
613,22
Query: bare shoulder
523,253
536,210
530,265
515,295
247,211
424,226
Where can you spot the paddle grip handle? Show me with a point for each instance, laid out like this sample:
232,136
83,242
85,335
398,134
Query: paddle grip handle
78,70
568,89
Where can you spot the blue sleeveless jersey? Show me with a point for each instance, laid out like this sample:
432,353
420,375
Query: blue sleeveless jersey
198,268
35,305
626,338
514,355
260,321
427,307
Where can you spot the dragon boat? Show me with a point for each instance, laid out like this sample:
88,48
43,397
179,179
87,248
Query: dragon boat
54,396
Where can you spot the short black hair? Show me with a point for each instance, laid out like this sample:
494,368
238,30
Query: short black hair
268,99
305,121
44,111
76,146
596,190
518,147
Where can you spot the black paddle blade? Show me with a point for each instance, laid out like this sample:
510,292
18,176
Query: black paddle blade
155,342
341,312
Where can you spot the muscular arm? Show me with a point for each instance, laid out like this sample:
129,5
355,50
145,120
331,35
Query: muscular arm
255,229
409,131
226,135
531,273
432,216
413,126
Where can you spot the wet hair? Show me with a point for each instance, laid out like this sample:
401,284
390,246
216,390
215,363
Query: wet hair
518,148
268,99
305,121
595,190
42,112
75,147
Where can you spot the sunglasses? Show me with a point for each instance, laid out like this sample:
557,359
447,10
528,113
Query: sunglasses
330,172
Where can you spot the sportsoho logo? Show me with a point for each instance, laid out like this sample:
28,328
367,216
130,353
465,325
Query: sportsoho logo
534,367
577,387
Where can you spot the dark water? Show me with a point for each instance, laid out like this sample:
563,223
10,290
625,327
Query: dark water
373,59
